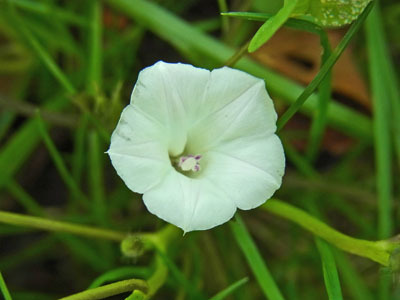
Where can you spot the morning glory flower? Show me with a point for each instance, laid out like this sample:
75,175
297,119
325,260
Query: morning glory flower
198,144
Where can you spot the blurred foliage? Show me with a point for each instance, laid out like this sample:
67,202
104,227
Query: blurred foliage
67,69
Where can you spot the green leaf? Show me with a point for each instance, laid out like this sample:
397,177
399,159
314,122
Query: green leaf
180,278
59,162
298,22
353,281
335,13
324,71
230,289
267,30
4,289
255,260
382,130
329,269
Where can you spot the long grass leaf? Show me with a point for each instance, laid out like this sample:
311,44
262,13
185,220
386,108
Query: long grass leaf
325,69
382,128
382,132
4,289
24,199
230,289
95,45
6,120
59,162
41,52
255,260
266,31
180,277
355,285
331,276
20,145
34,250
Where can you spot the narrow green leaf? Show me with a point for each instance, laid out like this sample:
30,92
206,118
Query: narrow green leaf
34,250
21,144
24,199
331,276
255,260
97,194
325,69
293,22
381,100
230,289
267,30
41,52
320,116
96,180
95,45
6,120
191,290
382,128
85,252
4,289
78,160
223,7
355,285
47,9
334,13
59,162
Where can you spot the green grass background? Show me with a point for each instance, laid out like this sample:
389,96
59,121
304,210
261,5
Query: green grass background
66,71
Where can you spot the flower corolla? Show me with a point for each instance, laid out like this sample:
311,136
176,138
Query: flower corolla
198,144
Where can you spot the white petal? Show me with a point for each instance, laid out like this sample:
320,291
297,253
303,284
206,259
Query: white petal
138,150
188,203
240,106
249,171
171,93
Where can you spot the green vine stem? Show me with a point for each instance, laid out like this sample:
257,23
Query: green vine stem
135,245
109,290
379,251
52,225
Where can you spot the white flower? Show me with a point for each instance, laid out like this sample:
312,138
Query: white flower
198,144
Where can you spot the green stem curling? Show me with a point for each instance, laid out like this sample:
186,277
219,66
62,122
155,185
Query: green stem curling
109,290
379,251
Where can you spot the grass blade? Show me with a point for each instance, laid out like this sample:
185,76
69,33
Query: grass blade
254,259
33,251
320,116
95,46
96,180
331,276
382,133
267,30
180,277
325,69
24,199
355,285
382,128
19,147
41,52
4,289
59,162
230,289
6,120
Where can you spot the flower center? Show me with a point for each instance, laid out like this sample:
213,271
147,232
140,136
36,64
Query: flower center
189,163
